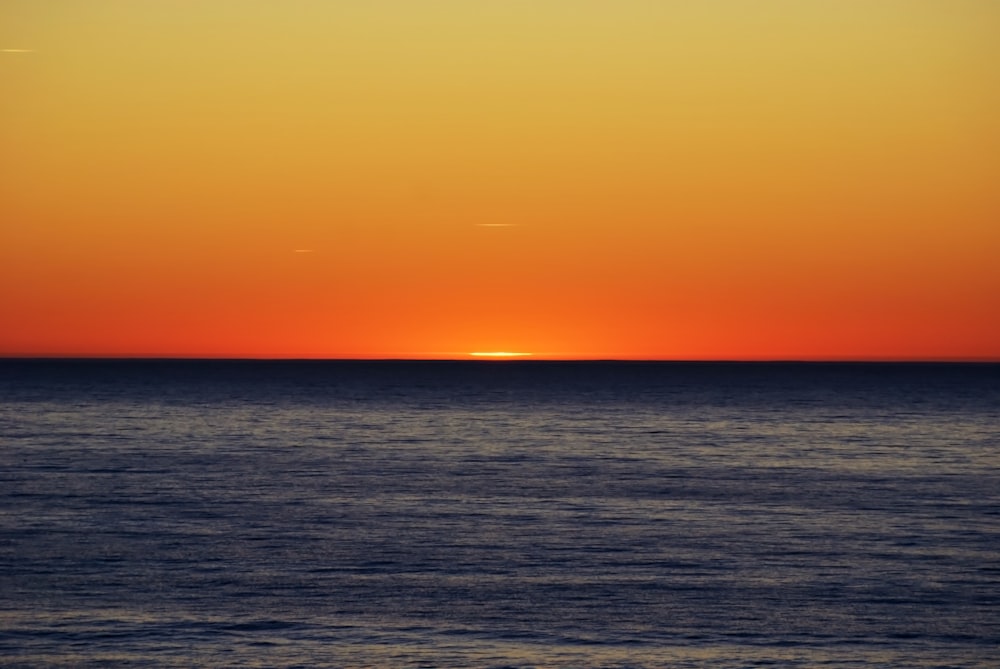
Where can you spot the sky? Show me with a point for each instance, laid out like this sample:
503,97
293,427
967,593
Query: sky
722,179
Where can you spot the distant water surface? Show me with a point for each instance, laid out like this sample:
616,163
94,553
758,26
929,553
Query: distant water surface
499,514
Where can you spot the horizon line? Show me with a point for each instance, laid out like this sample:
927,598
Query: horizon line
520,359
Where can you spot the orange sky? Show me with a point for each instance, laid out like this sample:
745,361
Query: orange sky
570,178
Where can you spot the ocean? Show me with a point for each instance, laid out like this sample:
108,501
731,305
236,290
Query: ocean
499,514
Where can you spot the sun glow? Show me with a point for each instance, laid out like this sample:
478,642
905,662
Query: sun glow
498,354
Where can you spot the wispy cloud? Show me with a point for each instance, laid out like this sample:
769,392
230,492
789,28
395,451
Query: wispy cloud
17,51
496,225
304,251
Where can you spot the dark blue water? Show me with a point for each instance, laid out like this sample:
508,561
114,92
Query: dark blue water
514,514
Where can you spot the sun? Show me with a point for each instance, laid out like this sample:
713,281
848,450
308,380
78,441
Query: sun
498,354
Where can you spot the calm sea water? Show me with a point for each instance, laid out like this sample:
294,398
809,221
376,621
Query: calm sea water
514,514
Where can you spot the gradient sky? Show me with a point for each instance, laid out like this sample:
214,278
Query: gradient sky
570,178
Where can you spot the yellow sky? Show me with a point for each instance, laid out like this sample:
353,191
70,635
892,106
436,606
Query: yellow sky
723,178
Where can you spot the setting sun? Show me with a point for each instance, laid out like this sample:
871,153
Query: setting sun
498,354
